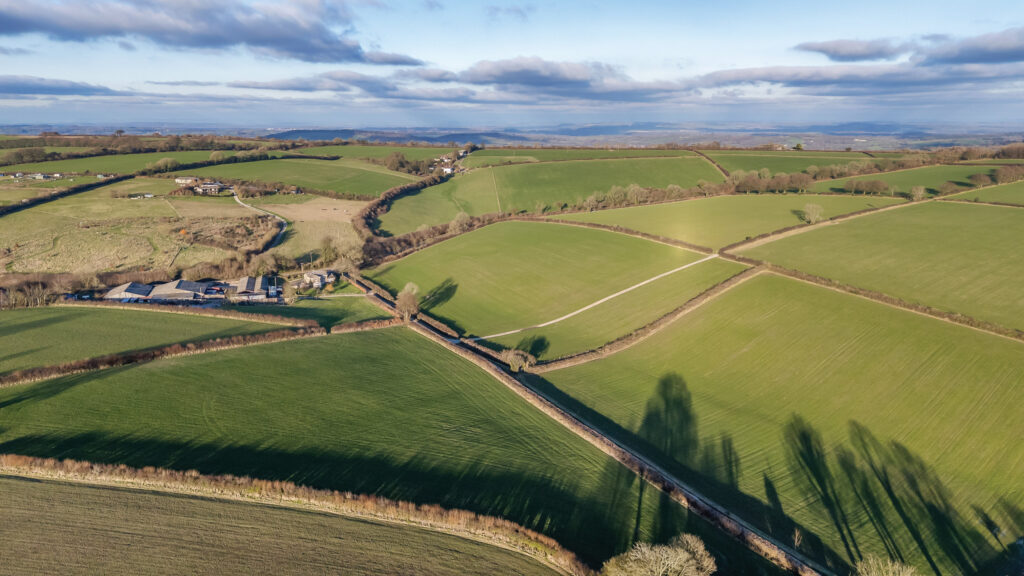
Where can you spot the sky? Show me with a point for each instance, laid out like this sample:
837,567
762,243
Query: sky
271,64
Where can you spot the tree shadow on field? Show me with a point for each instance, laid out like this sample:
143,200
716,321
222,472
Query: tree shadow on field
800,214
535,346
439,295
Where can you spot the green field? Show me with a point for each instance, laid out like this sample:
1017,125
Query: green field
721,220
91,529
359,151
995,161
342,176
327,311
34,337
385,412
13,191
952,256
496,156
735,396
1006,194
621,315
781,161
525,187
931,177
114,163
96,231
513,275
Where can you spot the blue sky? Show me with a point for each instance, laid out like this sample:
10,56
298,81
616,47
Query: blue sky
270,63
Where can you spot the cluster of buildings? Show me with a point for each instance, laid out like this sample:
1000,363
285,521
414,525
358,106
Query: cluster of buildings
246,289
205,188
35,176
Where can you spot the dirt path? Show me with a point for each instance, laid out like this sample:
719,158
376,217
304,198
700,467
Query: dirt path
602,300
284,223
497,197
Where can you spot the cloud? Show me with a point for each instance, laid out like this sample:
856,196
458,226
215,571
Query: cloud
13,51
183,83
432,5
518,11
856,50
996,48
35,86
300,30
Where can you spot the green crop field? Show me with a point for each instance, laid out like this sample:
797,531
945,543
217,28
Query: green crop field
327,311
343,176
359,151
995,161
495,156
114,163
92,529
779,391
931,177
524,187
46,336
721,220
385,412
953,256
781,161
1006,194
13,190
621,315
514,275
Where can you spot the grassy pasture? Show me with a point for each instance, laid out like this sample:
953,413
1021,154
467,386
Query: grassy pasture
516,274
384,412
110,530
310,220
525,186
45,336
342,176
327,311
494,156
953,256
621,315
721,220
781,161
1006,193
995,161
717,396
359,151
931,177
114,163
13,191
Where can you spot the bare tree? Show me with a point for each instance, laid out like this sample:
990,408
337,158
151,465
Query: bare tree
685,555
407,305
813,213
875,566
461,223
918,193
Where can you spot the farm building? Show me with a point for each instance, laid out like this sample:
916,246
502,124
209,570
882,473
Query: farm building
210,188
186,180
319,278
129,291
179,290
253,288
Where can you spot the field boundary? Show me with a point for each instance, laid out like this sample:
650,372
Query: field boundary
620,230
721,169
490,530
953,200
603,300
752,538
629,340
18,207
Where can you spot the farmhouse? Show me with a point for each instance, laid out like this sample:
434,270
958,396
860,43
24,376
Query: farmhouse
129,291
210,188
319,278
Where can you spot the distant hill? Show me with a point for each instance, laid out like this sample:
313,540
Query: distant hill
400,136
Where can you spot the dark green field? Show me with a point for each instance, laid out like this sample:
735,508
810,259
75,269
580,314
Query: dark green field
326,311
91,529
384,412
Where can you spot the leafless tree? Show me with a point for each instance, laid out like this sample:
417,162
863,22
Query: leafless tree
407,305
685,555
813,213
875,566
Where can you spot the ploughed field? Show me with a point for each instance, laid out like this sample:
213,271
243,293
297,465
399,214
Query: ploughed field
34,337
722,220
952,256
110,530
342,176
901,181
797,406
787,161
530,187
514,275
384,412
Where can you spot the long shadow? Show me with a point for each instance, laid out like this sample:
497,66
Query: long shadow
46,389
439,295
670,410
583,523
535,345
